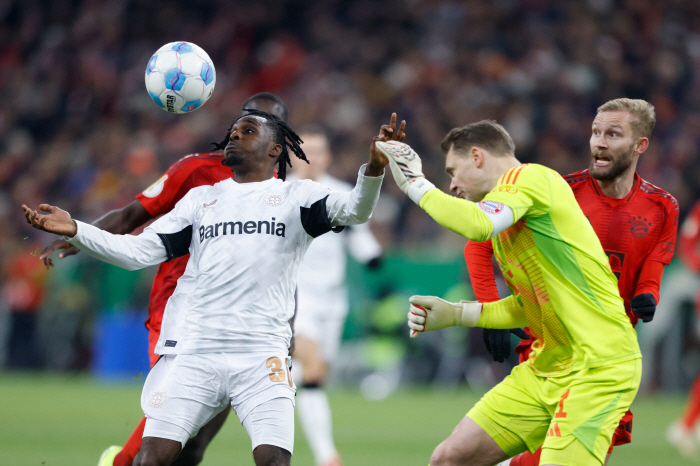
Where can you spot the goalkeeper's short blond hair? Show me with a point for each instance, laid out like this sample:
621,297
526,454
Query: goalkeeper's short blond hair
643,113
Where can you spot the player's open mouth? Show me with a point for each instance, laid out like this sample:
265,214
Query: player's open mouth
601,161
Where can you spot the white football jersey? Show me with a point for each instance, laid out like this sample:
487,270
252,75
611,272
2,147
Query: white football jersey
322,272
245,241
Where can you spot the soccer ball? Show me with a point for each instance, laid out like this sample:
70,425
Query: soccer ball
180,77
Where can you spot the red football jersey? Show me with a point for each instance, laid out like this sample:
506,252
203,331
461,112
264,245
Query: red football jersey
158,199
634,230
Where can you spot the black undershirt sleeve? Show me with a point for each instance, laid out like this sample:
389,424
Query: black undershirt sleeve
315,219
177,244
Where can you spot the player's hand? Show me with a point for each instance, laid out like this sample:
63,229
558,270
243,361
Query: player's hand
68,250
643,306
57,221
497,341
377,159
427,313
406,168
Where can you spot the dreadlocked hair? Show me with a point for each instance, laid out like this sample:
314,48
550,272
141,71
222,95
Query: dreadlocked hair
283,135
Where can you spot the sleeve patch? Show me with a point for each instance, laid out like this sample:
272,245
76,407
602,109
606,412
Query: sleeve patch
315,219
156,188
177,244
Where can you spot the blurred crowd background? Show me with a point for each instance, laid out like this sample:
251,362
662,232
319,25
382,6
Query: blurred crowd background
78,130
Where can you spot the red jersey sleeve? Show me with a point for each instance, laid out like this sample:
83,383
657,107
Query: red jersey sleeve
666,245
480,266
161,196
649,280
690,239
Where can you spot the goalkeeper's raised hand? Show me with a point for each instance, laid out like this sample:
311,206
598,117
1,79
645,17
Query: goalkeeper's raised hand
406,168
427,313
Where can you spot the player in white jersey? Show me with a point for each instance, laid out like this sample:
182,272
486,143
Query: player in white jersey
322,304
225,331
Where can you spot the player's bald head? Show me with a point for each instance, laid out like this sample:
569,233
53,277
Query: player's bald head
267,102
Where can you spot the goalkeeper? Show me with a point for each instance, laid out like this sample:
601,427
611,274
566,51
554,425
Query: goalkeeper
585,366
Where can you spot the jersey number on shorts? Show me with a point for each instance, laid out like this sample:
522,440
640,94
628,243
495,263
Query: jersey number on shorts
561,412
279,370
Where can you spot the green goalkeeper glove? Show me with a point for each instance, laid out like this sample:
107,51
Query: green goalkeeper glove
406,168
427,313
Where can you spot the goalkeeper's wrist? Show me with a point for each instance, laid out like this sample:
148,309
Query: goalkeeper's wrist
417,188
468,313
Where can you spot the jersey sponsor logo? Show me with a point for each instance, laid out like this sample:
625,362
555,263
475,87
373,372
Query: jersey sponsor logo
274,200
156,188
491,207
156,399
210,204
639,226
507,189
250,227
170,343
617,261
668,246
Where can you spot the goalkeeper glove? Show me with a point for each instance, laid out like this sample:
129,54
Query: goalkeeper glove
427,313
643,306
498,341
406,168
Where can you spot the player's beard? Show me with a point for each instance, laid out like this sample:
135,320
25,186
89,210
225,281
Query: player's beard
619,164
232,159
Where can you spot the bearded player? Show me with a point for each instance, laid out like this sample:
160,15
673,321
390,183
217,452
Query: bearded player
584,371
685,432
635,221
159,199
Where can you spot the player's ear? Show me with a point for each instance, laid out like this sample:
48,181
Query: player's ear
642,145
276,150
477,156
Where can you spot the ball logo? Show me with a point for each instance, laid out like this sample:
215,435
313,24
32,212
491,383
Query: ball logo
156,188
156,399
491,207
639,227
274,200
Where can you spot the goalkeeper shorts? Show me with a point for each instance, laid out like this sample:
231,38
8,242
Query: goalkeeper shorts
572,417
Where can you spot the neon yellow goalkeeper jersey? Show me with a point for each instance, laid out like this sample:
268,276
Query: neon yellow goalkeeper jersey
555,266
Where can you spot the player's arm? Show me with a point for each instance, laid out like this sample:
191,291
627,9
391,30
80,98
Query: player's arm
118,221
475,221
126,251
427,313
478,257
643,304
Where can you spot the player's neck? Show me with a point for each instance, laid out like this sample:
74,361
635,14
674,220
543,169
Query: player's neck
619,186
251,176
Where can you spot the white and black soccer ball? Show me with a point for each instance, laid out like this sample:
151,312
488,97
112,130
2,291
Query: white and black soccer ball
180,77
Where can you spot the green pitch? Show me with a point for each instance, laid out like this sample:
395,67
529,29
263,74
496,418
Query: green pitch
68,421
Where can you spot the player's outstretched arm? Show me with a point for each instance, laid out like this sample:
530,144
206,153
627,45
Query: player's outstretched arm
459,215
427,313
118,221
126,251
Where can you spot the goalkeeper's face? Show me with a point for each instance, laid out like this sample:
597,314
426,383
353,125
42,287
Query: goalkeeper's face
469,174
615,148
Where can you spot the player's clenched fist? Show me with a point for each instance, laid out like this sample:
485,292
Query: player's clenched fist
57,221
427,313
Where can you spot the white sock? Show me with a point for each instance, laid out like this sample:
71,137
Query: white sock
315,416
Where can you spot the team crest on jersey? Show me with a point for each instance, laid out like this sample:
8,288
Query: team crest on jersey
274,200
639,226
156,399
491,207
156,188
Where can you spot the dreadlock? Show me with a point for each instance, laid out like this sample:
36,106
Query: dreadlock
283,135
